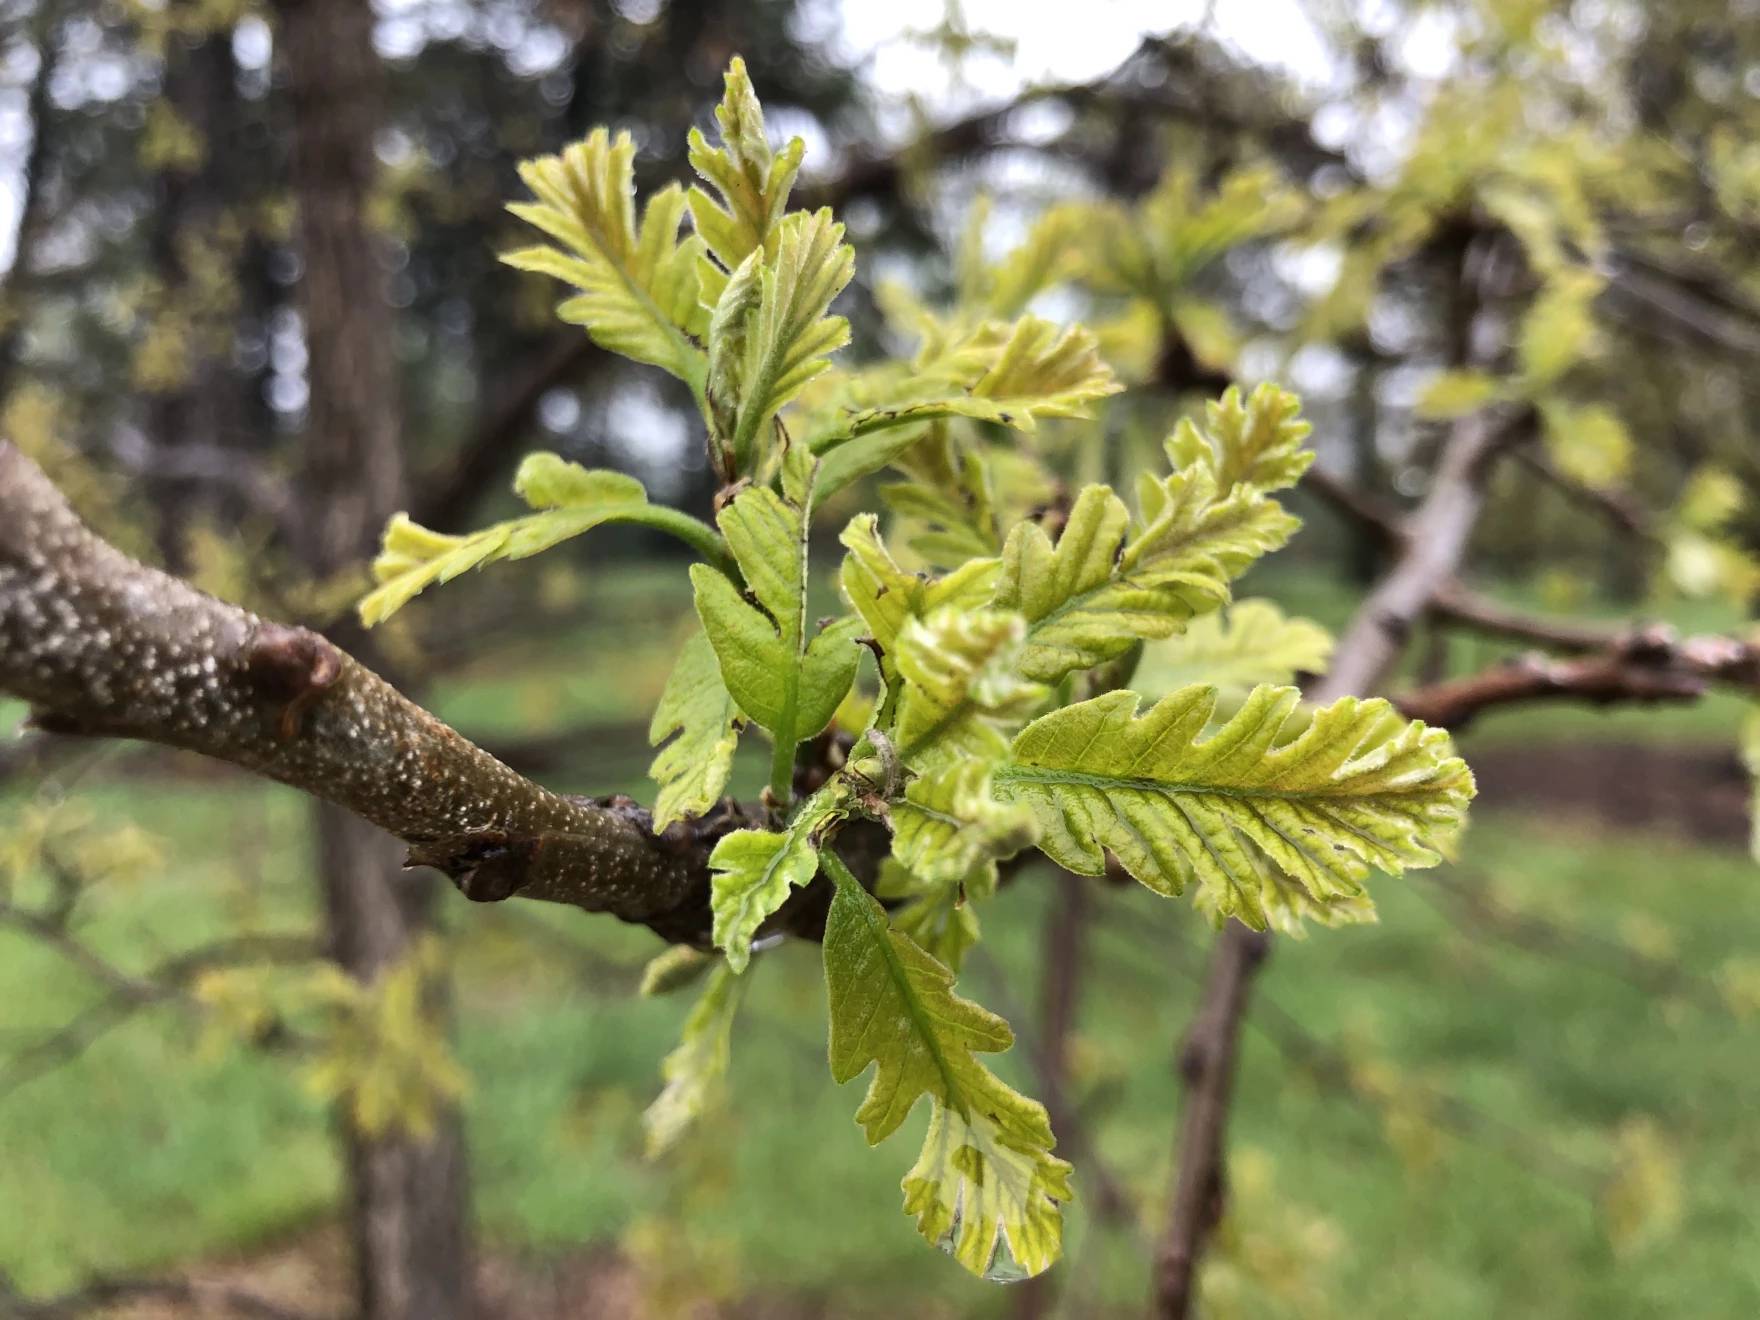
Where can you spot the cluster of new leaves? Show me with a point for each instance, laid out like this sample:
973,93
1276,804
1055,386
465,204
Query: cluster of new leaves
1004,616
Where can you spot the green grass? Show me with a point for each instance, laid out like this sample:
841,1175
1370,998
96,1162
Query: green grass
146,1150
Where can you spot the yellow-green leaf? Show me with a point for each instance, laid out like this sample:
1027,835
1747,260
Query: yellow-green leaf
986,1187
1180,804
638,284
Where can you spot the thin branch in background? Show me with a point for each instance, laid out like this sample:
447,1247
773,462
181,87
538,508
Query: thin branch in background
1332,1068
1480,613
129,993
1619,508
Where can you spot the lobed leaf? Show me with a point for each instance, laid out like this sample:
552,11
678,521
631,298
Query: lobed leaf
1257,442
696,727
986,1185
1247,643
697,1068
1012,375
1099,590
958,669
753,870
638,283
751,182
950,823
569,500
783,302
1358,788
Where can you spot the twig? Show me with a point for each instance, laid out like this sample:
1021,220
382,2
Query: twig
1618,507
128,993
1472,609
1646,666
100,644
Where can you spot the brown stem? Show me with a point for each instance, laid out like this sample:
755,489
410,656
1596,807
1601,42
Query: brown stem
1646,666
1207,1065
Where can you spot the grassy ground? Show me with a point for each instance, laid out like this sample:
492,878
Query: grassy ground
1377,1199
1453,1154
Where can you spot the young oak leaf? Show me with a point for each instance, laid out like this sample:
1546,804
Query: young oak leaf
787,683
1100,589
1258,442
886,596
696,727
777,308
960,682
697,1068
1013,375
751,181
752,872
986,1187
1359,788
1245,644
949,823
638,283
1283,905
568,500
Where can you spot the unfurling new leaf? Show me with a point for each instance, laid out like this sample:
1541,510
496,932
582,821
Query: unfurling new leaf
638,283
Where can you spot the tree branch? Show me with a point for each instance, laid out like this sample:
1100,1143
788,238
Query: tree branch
1646,666
100,644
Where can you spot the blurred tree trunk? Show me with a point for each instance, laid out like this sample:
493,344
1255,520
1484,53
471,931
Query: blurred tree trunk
410,1218
203,399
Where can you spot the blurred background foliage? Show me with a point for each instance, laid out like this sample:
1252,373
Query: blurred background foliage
1526,1091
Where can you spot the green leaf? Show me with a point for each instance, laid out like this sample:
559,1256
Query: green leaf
959,667
674,967
1248,643
788,684
638,284
788,335
753,870
1358,788
751,182
1257,443
1455,393
1559,329
569,499
1013,375
950,823
1100,589
1588,442
886,596
698,722
697,1069
986,1186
